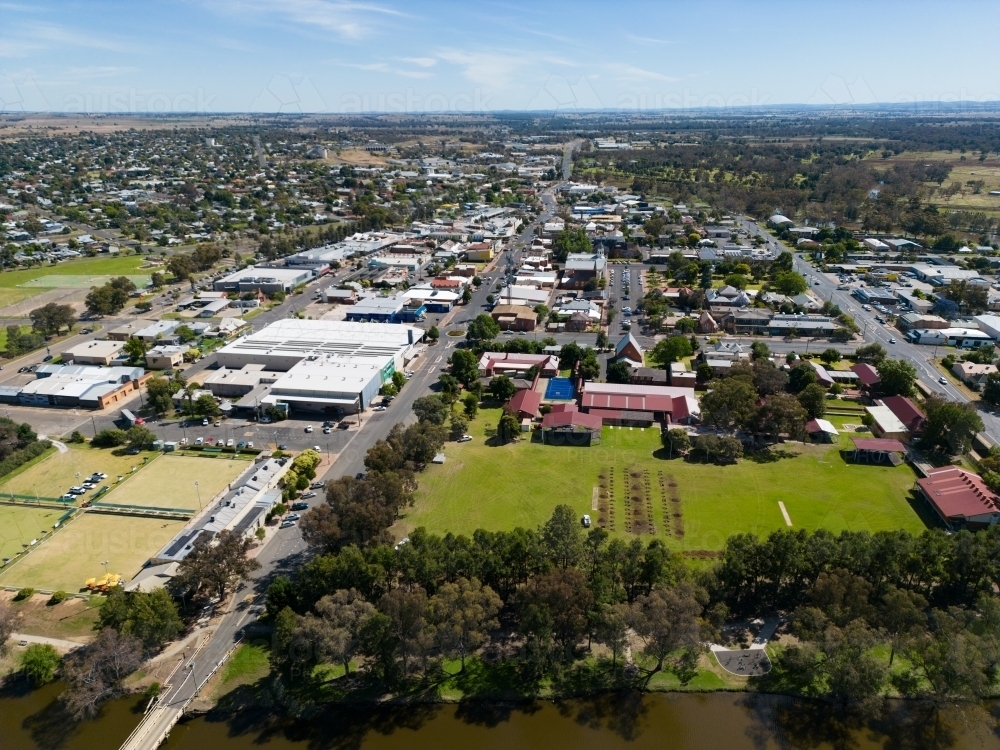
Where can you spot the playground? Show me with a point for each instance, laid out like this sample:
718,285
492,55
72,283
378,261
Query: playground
80,550
169,482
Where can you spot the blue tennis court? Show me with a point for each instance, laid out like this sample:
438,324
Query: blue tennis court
559,389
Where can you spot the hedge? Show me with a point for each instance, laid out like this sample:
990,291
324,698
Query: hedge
21,457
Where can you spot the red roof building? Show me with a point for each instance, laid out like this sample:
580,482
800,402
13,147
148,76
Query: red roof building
907,412
960,498
666,403
525,403
867,374
566,425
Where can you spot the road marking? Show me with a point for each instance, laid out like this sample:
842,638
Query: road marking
788,521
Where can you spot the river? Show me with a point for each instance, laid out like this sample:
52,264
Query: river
732,721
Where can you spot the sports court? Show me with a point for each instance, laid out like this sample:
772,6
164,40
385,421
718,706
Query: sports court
559,389
78,551
19,526
169,482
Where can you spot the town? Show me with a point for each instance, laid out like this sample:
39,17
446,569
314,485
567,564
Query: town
364,409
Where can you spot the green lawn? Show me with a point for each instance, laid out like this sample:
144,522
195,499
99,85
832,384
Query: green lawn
169,482
502,487
23,283
19,526
54,475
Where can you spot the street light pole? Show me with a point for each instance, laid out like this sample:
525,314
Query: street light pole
197,488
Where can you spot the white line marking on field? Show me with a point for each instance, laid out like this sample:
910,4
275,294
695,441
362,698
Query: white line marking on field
784,512
593,500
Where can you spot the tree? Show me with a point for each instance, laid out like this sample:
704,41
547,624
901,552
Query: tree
502,388
789,283
950,426
216,566
507,428
466,296
562,537
159,394
719,450
151,617
431,409
465,366
461,615
206,404
96,673
139,437
157,280
342,615
813,400
666,620
830,356
470,404
801,376
767,378
602,340
405,610
39,663
185,333
8,621
730,403
570,241
482,328
611,629
619,372
459,424
991,389
136,350
433,333
670,350
896,377
781,414
676,440
589,368
109,439
49,319
872,353
901,615
759,350
557,602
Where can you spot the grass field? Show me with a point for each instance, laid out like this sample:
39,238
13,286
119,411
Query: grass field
168,482
57,473
18,526
75,553
23,283
496,488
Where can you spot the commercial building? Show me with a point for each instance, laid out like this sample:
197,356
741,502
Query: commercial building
332,367
963,338
514,317
395,309
99,353
165,357
265,280
77,385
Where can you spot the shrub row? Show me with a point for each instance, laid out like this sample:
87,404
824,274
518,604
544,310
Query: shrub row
18,458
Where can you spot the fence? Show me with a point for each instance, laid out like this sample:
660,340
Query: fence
37,500
141,510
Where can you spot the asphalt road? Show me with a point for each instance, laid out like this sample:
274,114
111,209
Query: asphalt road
825,287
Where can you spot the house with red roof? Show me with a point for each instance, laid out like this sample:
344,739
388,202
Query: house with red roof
525,404
907,412
867,376
960,498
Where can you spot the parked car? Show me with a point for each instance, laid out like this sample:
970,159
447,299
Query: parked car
377,408
585,521
204,422
229,443
199,441
308,495
317,449
282,447
292,517
309,428
240,444
327,430
286,524
464,439
300,506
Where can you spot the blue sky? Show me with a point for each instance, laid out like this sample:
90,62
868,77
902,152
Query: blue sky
324,56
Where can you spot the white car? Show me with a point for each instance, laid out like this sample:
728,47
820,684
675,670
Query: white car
317,449
585,521
464,439
309,428
249,443
229,443
377,408
199,441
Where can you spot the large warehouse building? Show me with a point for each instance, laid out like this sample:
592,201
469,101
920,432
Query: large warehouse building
333,367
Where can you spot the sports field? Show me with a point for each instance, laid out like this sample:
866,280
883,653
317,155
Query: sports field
54,475
19,526
21,284
502,487
75,553
168,482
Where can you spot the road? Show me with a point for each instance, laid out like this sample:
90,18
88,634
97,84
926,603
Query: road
920,357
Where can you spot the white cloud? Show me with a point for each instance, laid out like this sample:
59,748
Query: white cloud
488,68
423,62
34,38
348,19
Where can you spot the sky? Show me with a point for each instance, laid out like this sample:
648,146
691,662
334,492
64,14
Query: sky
219,56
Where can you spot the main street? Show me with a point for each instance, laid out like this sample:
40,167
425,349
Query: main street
895,343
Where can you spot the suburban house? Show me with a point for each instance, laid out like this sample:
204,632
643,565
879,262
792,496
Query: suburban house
867,376
972,373
960,498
